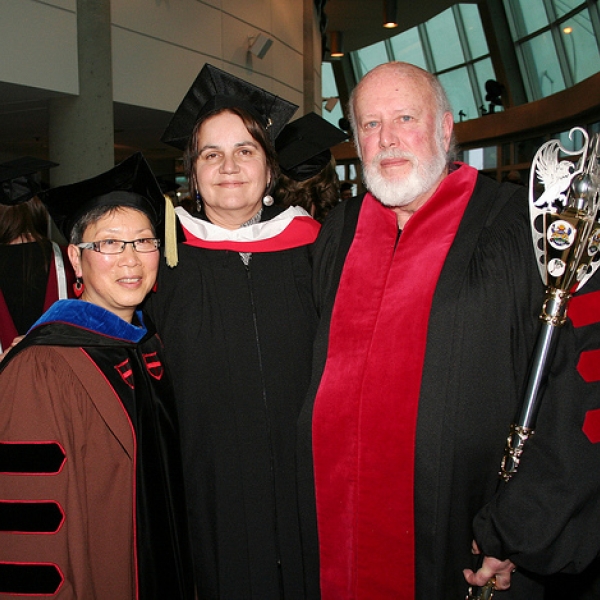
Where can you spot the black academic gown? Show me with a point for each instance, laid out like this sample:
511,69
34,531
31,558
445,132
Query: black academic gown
481,331
238,340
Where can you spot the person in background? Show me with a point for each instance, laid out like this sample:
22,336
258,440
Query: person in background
91,483
346,190
513,177
429,296
237,319
34,271
308,176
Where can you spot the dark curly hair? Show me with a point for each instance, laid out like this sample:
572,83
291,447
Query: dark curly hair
317,195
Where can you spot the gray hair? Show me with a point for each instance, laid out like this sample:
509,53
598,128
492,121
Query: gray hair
406,69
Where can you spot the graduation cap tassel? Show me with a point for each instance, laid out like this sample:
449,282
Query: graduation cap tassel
171,255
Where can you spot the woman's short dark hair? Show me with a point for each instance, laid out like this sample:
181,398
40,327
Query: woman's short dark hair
93,216
255,129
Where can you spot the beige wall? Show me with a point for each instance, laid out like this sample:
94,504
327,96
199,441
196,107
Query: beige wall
158,46
154,52
38,44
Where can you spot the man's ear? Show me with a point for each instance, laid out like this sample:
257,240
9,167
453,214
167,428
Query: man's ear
447,128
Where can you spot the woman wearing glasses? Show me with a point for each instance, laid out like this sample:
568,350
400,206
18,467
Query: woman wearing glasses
91,489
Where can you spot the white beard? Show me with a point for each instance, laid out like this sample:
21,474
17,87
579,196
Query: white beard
403,190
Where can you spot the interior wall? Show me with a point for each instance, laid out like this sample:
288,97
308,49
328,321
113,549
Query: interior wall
38,44
160,46
157,47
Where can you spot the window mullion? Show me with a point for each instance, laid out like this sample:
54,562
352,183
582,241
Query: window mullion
466,49
427,52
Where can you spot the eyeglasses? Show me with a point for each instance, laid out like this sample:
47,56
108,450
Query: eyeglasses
118,246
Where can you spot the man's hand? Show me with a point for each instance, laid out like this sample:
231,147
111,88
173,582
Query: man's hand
14,343
491,567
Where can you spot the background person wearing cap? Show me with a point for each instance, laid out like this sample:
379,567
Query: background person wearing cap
91,485
237,320
34,271
308,176
346,190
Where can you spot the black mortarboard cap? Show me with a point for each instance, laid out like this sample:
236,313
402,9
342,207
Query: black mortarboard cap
130,183
18,179
214,89
167,184
303,147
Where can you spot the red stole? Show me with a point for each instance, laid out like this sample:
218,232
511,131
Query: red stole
366,407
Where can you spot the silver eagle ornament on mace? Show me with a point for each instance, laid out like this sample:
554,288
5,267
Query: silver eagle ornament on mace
566,242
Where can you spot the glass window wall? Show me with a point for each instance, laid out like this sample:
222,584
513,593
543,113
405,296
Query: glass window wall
407,47
332,107
445,43
581,45
473,30
545,72
366,59
526,16
458,87
557,43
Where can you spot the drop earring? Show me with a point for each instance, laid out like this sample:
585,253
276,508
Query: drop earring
78,287
268,200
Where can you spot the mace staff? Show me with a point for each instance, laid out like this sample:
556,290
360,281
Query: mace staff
566,242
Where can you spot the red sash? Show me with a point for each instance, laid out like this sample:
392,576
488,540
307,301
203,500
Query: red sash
366,407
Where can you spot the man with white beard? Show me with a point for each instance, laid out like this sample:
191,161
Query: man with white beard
429,297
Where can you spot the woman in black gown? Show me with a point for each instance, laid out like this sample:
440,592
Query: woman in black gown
237,320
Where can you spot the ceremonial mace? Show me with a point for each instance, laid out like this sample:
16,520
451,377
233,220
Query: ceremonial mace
566,242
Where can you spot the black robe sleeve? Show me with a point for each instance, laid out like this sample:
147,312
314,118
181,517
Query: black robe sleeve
547,518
